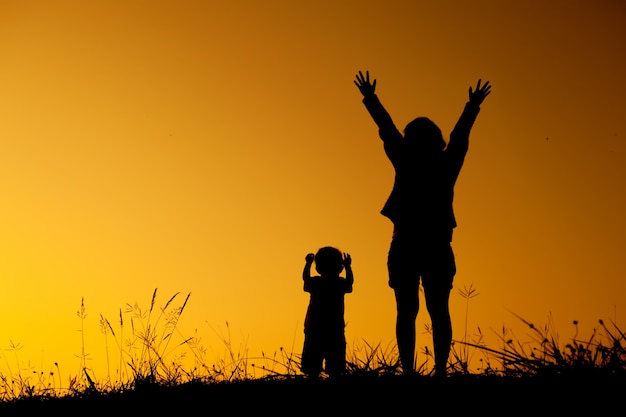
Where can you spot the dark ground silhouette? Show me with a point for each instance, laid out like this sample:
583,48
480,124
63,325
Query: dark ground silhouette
352,394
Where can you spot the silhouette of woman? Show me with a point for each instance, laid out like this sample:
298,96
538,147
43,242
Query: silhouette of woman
420,207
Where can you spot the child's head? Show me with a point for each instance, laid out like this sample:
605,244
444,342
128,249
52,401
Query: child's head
329,261
425,134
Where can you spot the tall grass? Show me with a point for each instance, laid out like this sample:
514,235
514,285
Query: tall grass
601,353
152,351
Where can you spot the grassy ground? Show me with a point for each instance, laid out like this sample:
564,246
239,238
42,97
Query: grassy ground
538,377
362,394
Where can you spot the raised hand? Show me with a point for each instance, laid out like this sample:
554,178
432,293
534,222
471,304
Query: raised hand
347,260
366,87
309,258
481,92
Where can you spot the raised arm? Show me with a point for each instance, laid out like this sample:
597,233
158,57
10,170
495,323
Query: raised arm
307,282
478,96
386,128
347,264
365,86
459,138
308,261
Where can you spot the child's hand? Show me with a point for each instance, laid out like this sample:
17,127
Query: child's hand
309,258
347,260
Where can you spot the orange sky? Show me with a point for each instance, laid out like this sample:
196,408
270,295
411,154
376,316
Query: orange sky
205,147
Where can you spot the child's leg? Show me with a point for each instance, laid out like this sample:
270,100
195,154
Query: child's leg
311,362
336,355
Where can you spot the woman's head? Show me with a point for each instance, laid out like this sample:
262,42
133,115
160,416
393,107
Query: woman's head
329,261
425,134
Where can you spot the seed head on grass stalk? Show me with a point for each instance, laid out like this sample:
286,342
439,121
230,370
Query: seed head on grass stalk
172,319
463,357
84,356
616,357
373,360
234,366
543,355
15,385
281,365
106,328
151,363
288,361
121,348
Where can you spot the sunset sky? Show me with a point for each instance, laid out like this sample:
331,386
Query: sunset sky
206,147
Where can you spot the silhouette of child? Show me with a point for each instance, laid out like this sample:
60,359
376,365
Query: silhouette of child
324,325
420,206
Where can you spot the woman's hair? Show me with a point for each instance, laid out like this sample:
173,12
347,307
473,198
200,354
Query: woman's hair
329,261
425,131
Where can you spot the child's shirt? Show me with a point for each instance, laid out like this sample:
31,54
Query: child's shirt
326,304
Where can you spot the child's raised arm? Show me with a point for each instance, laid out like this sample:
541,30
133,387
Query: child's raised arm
306,272
347,264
